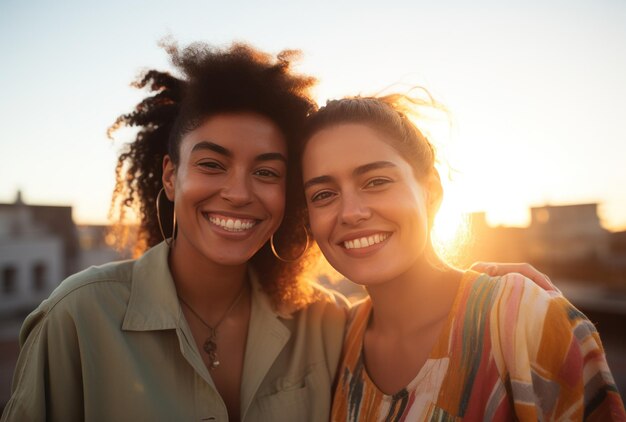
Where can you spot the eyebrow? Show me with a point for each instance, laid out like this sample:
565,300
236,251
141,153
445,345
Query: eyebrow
372,166
212,146
269,156
317,181
357,172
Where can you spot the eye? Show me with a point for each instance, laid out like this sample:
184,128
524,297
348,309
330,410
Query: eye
211,165
267,173
321,196
378,181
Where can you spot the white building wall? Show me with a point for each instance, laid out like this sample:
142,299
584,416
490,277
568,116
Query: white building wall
24,254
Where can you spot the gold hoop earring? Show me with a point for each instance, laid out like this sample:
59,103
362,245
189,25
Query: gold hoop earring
296,259
158,210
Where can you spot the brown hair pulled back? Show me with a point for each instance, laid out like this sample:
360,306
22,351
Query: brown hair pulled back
387,115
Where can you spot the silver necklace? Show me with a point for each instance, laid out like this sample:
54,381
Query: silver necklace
210,344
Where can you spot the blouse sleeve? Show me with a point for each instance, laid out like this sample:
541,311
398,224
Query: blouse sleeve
555,360
47,379
572,351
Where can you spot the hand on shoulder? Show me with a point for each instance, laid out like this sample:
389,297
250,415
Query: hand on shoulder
525,269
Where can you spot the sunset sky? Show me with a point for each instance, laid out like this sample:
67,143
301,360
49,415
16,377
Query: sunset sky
536,89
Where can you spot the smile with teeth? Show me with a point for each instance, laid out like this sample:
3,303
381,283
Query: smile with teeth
232,224
365,242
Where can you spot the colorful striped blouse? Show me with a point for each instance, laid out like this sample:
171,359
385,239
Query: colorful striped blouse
508,351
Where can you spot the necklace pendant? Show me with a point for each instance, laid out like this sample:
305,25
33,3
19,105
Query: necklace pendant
210,347
210,344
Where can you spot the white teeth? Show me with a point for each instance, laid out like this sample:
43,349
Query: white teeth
232,224
365,242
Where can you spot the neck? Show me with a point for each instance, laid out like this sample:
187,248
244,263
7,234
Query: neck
421,296
203,282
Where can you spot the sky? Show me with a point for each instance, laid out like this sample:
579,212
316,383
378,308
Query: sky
536,90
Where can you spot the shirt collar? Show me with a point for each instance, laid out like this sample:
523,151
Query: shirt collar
153,302
263,301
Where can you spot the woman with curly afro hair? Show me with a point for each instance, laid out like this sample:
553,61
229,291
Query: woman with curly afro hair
215,320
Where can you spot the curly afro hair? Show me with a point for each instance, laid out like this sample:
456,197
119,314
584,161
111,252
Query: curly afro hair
236,79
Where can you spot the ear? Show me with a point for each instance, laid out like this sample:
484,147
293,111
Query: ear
169,177
434,195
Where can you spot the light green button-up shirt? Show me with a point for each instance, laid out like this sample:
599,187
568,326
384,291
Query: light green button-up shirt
111,344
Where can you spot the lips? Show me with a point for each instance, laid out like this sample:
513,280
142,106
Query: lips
365,241
231,224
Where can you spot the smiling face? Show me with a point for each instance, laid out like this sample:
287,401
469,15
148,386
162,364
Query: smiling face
368,212
228,187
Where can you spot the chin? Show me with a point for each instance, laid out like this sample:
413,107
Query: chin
361,276
229,258
371,274
366,279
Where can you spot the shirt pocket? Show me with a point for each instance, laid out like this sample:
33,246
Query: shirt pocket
287,405
294,397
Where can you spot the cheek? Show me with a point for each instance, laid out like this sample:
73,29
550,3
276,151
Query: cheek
314,223
320,225
192,188
274,198
415,206
416,234
418,218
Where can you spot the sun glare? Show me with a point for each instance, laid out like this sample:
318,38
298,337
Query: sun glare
450,232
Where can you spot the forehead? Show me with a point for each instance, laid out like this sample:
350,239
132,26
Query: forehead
240,133
343,147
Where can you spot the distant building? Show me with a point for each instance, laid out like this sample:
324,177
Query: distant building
94,248
38,247
563,233
566,241
567,233
618,243
56,221
500,244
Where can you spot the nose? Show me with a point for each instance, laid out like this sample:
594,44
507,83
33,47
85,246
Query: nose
237,190
353,209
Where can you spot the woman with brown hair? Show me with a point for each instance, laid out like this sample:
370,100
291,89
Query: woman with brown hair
431,342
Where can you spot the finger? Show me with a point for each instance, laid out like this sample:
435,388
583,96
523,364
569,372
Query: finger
485,267
553,287
477,266
541,280
528,271
525,269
